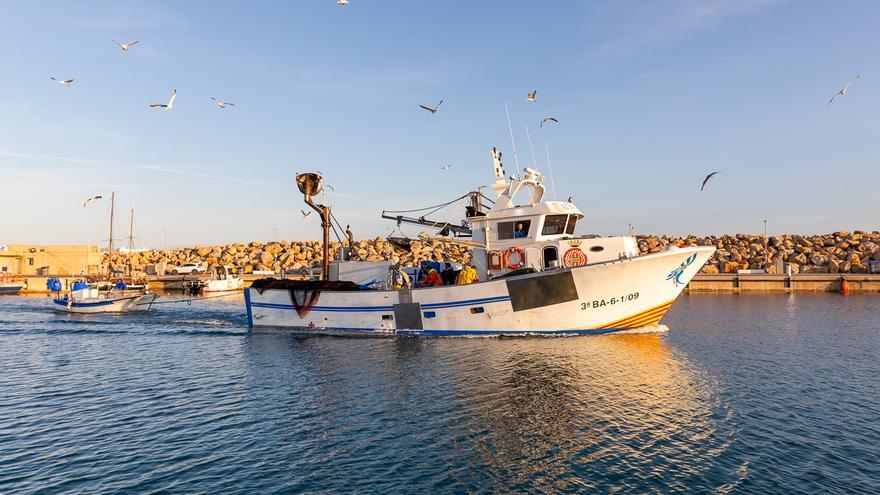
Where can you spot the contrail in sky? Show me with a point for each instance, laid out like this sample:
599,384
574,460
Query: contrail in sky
137,166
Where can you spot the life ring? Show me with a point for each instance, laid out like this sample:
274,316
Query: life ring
522,258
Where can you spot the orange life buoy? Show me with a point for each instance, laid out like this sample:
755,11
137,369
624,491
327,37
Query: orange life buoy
522,258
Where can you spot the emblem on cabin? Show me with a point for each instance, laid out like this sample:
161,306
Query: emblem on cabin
675,275
574,257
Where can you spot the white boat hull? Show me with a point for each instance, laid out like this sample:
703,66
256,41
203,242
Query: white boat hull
226,285
121,304
597,298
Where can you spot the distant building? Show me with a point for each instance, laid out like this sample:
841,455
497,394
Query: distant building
34,259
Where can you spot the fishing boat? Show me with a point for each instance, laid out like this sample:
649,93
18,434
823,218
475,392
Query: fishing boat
109,293
222,280
8,285
535,277
85,298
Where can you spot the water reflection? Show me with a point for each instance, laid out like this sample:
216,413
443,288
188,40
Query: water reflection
529,414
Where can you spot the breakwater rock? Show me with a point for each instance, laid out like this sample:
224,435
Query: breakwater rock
838,252
295,255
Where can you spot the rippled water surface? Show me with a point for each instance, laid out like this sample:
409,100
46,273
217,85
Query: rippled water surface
744,394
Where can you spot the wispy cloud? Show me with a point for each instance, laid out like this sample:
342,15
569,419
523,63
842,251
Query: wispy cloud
649,23
125,15
176,170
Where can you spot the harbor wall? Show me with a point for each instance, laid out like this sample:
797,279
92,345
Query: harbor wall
838,252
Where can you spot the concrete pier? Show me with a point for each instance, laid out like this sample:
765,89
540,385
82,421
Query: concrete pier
805,282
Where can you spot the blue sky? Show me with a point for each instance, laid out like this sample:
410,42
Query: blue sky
650,96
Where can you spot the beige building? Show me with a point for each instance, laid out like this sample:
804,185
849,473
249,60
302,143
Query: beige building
34,259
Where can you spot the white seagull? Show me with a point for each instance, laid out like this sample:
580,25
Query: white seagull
445,167
434,109
533,95
125,46
169,106
547,119
842,91
63,82
305,213
222,104
341,2
89,200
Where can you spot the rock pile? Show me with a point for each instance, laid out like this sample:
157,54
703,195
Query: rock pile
293,256
840,252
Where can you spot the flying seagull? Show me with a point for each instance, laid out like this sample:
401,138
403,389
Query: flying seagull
125,46
547,119
842,91
707,179
341,2
63,82
93,198
445,167
433,110
305,213
222,104
169,106
533,95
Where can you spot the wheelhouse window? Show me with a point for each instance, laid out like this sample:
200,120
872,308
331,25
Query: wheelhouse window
572,221
554,224
514,230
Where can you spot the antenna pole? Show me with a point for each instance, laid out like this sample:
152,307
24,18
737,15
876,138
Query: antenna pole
550,168
529,137
131,232
110,241
512,141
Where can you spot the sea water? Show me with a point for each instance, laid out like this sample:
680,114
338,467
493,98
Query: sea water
742,394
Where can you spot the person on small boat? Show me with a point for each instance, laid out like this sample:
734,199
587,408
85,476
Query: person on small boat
520,232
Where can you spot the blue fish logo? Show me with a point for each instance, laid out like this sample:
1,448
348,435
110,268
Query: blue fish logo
675,275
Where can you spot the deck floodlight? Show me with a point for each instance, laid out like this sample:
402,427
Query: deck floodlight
309,183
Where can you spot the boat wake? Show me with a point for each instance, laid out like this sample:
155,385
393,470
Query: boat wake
215,323
643,330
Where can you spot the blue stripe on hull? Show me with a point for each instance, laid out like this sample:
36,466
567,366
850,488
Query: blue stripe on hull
447,333
63,302
356,309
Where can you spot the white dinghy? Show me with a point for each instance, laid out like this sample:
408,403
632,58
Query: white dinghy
535,278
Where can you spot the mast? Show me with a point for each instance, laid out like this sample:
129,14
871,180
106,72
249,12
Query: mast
110,241
310,185
131,232
130,241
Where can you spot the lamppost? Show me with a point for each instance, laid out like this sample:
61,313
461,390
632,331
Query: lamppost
766,252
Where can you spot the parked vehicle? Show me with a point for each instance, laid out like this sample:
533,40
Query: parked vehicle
189,268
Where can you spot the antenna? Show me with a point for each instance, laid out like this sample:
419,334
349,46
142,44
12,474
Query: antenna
131,231
529,137
550,168
512,142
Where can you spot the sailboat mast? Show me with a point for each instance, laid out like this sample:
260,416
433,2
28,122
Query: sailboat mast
131,231
110,241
